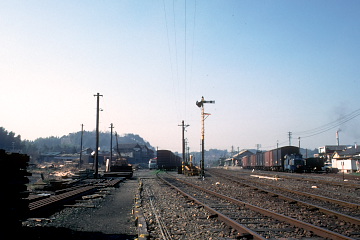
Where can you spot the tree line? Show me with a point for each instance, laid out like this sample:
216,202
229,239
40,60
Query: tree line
9,141
70,143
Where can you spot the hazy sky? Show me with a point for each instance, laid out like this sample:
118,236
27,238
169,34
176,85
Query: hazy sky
271,66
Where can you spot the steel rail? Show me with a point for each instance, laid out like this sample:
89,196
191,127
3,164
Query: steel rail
228,221
57,199
316,196
335,183
162,226
317,230
324,210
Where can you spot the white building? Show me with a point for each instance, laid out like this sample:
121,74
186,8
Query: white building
348,160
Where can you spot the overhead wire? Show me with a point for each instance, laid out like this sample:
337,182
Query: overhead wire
193,42
171,62
180,84
192,49
175,41
185,98
331,125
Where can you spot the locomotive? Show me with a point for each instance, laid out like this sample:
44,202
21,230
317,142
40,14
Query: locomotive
294,163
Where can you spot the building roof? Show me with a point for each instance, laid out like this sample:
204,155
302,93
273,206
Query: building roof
243,153
133,146
123,146
331,148
353,150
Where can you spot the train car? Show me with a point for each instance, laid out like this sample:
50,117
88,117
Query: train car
252,161
272,160
278,157
246,162
294,163
260,160
314,164
167,160
267,160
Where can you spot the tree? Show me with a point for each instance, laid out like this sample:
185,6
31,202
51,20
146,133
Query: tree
10,142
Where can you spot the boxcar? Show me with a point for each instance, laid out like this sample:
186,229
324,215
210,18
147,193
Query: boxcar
259,160
252,161
246,162
167,160
267,160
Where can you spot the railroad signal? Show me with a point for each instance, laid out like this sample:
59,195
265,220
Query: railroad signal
203,114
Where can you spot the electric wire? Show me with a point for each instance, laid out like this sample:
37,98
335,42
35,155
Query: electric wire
333,123
185,64
193,42
189,86
175,42
328,126
176,107
176,47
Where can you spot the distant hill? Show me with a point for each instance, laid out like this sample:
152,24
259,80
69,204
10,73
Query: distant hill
71,142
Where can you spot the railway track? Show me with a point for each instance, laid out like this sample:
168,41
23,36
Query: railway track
345,207
165,234
39,206
345,217
336,181
249,220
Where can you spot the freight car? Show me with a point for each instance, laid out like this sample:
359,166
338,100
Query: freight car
314,164
167,160
272,160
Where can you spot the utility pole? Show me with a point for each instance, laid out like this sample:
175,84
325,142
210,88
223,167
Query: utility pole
299,142
290,138
201,105
81,144
96,160
183,139
111,140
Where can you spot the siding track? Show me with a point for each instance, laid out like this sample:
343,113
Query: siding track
249,219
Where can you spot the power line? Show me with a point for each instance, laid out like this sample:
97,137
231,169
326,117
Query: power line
176,57
176,107
185,62
329,126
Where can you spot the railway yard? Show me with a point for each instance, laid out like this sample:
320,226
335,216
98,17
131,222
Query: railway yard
226,204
